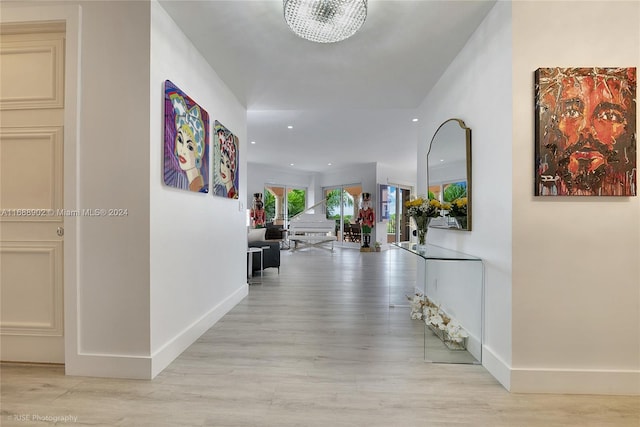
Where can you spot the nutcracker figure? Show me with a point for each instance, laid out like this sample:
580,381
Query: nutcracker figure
367,218
258,216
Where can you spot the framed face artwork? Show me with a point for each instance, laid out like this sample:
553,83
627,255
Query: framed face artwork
585,132
186,141
225,161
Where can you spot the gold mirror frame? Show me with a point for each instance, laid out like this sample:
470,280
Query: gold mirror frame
441,151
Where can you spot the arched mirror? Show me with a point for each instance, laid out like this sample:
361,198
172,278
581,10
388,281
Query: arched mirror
449,174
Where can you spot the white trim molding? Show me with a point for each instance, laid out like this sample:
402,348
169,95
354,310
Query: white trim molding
575,381
147,367
162,357
496,367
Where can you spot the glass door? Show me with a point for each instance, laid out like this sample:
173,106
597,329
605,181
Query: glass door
282,202
342,206
404,223
398,226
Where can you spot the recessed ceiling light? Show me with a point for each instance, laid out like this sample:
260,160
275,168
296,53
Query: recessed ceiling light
253,142
414,120
442,160
289,127
290,164
328,164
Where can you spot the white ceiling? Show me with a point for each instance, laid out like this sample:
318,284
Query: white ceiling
348,102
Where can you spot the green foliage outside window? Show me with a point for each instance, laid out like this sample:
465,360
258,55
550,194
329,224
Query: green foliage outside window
454,191
391,225
333,200
296,201
269,206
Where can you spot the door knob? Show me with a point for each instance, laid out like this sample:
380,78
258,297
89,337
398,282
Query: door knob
60,231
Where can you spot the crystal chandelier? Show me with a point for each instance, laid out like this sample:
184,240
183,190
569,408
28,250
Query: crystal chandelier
325,21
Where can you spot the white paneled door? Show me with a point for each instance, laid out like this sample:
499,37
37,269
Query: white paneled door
31,199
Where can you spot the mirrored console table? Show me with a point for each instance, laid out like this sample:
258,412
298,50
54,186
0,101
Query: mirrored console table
451,285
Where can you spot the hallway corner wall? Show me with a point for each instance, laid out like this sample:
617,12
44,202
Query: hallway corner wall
576,287
197,240
475,88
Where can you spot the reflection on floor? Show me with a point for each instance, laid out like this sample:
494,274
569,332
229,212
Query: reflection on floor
437,351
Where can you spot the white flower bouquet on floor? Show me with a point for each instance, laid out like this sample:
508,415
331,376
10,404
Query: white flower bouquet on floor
441,324
416,302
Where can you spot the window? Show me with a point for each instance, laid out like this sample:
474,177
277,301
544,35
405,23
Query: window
342,206
282,202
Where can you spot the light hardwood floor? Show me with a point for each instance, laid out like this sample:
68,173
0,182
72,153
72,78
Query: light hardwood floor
316,345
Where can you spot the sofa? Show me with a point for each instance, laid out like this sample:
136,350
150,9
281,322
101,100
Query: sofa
271,257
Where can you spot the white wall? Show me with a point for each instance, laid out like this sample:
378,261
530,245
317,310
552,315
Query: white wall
106,154
137,289
198,241
260,174
364,174
576,286
476,88
389,175
453,171
113,163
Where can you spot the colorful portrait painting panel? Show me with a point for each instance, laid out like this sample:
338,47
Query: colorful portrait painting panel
186,141
586,132
225,170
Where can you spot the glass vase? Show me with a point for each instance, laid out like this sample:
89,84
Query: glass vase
422,236
421,246
462,221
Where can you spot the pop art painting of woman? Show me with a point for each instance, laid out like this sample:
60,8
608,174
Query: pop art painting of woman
186,141
225,170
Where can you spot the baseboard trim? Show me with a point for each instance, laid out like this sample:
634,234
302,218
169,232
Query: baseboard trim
166,354
147,367
109,366
497,367
561,381
575,381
